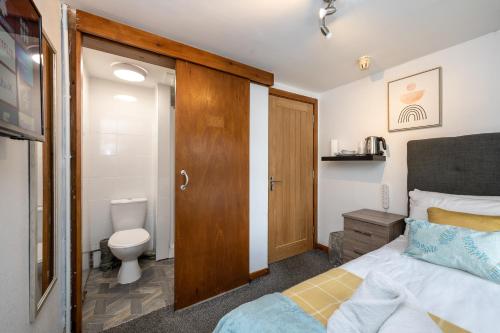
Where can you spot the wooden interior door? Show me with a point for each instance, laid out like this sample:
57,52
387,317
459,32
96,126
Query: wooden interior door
291,161
211,214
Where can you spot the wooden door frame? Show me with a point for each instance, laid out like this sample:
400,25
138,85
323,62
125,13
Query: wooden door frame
314,103
104,28
75,57
81,24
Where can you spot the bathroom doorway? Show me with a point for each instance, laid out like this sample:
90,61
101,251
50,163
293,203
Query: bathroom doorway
127,194
212,127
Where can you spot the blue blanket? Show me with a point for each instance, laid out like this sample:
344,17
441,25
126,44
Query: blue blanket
270,313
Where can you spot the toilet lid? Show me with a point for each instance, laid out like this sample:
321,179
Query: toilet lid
128,238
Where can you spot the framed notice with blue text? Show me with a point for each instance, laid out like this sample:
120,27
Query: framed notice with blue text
21,111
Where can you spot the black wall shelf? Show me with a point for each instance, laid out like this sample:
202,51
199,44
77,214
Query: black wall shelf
380,158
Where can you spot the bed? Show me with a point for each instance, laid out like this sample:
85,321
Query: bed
455,300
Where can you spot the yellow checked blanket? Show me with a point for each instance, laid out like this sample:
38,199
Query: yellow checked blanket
321,295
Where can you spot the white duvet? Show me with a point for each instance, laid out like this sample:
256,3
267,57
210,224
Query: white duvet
453,295
381,305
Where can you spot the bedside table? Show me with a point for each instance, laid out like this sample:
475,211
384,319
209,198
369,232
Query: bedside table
366,230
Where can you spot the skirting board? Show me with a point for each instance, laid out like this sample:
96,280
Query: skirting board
265,271
321,247
258,274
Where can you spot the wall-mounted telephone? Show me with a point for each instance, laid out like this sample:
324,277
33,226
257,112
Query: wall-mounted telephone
385,196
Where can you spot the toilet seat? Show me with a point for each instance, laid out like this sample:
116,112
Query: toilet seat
129,238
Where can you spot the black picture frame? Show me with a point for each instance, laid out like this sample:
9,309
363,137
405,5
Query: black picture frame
440,102
24,10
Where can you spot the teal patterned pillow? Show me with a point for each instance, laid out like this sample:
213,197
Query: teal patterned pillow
472,251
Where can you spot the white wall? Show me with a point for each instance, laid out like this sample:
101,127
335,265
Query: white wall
259,114
165,192
354,111
14,219
286,87
117,153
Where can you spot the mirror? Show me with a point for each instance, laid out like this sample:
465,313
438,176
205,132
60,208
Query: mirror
43,233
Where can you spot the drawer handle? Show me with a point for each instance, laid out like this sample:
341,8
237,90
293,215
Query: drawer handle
364,233
358,252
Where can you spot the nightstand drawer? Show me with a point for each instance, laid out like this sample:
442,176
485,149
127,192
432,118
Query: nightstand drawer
365,237
359,248
366,230
351,254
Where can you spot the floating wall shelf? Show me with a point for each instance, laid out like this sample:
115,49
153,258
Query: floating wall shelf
380,158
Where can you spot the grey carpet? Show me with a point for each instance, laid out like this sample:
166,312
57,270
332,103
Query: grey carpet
204,317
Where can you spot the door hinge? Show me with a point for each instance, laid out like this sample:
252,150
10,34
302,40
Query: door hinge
313,174
313,119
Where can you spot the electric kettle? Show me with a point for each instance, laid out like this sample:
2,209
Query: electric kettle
373,145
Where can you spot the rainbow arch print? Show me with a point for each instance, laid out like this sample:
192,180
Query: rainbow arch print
412,112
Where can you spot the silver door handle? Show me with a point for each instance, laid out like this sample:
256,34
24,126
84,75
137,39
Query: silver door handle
271,183
186,180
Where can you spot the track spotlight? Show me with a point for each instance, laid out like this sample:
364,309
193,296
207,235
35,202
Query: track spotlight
329,10
326,32
323,13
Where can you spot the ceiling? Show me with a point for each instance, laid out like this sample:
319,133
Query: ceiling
283,36
98,64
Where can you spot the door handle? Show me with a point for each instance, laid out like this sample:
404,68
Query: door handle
186,180
271,183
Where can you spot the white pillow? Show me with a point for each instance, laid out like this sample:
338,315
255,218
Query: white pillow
416,194
421,200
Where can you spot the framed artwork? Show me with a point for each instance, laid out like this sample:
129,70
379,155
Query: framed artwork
415,101
21,96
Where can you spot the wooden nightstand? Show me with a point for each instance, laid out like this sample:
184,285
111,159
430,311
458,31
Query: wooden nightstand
366,230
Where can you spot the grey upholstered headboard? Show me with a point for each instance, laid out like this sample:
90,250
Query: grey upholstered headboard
457,165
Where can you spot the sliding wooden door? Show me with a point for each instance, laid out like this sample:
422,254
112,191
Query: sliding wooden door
211,209
291,180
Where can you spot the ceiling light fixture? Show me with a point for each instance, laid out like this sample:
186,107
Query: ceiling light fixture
35,55
125,98
36,58
323,14
129,72
324,29
364,63
329,10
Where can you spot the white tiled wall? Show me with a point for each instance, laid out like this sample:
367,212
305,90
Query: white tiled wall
166,138
117,153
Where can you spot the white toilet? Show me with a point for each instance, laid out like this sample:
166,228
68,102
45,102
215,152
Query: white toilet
130,239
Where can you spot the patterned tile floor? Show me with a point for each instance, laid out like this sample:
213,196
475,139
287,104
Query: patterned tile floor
108,303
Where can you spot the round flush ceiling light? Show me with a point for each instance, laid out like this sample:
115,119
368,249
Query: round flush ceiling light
36,58
125,98
129,72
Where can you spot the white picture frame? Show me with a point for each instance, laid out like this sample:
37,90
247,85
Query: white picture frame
414,101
